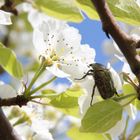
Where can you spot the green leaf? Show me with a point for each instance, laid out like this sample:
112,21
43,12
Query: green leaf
22,119
128,89
101,116
67,102
88,8
135,132
71,111
48,91
136,103
68,99
62,9
75,134
9,62
124,10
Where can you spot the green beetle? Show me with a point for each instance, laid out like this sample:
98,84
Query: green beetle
103,81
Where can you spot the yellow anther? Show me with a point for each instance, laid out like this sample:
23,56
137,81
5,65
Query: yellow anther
48,62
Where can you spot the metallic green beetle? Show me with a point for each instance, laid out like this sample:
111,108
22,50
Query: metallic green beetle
103,81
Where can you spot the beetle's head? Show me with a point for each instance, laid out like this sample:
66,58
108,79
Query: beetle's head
96,66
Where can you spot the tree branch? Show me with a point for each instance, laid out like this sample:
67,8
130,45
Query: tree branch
126,44
20,100
6,130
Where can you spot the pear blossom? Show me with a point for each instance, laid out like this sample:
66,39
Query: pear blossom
38,127
5,18
60,45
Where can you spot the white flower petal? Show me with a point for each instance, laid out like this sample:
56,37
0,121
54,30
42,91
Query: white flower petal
24,131
116,78
75,70
117,129
89,54
36,18
126,69
24,7
46,136
132,111
38,41
6,91
56,71
40,127
84,100
5,18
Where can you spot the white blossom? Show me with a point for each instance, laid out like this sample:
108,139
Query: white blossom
60,45
5,18
38,127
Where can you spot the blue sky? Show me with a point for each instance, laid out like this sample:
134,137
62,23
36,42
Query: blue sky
93,35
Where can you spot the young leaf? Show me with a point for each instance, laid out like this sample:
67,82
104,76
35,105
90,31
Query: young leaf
68,99
128,89
136,103
88,8
75,134
9,62
67,102
48,91
71,111
124,10
136,132
61,9
101,116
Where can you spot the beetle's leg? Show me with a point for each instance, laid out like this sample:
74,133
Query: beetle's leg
93,91
90,72
116,93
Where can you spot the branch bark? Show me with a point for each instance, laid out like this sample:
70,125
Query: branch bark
6,130
19,100
126,44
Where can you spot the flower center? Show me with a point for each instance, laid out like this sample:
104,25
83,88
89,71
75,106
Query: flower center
50,57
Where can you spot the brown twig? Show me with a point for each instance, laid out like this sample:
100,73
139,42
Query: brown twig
126,44
20,100
6,130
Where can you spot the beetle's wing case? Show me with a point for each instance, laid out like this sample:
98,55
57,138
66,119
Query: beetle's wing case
103,81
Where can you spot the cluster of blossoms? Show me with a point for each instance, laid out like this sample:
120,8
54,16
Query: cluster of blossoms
59,46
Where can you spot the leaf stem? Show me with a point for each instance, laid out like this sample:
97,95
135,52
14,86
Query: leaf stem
42,85
43,96
124,97
37,74
129,101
